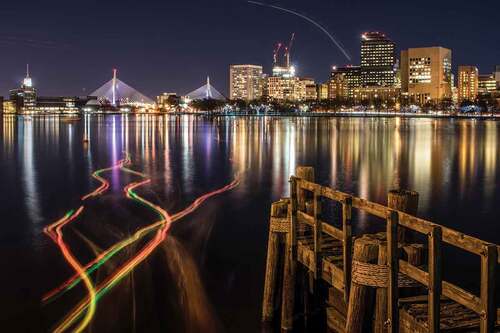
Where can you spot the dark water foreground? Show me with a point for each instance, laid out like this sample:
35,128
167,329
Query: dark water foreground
208,274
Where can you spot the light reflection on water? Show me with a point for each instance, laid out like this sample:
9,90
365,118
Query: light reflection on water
45,166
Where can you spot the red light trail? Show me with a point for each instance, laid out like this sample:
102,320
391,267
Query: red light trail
82,273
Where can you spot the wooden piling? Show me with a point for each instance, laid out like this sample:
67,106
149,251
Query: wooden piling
377,262
278,210
365,251
288,301
305,173
405,201
381,296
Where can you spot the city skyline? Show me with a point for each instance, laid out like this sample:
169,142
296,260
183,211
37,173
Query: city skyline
156,52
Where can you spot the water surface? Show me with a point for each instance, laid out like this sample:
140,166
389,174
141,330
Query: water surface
208,274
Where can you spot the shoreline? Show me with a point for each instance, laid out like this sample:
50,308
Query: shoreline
291,114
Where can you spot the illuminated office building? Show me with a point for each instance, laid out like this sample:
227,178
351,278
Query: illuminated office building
426,74
468,82
322,91
282,88
377,60
309,86
343,82
24,98
486,83
245,82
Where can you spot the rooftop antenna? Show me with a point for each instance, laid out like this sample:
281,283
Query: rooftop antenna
27,70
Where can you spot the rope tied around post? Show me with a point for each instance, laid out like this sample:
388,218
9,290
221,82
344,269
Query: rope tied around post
374,275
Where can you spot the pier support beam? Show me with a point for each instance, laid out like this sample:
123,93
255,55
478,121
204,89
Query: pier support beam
297,202
278,226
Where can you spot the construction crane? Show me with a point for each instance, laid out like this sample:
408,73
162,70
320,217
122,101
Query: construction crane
275,54
288,49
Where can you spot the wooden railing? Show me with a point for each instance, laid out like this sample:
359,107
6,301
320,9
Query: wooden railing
484,304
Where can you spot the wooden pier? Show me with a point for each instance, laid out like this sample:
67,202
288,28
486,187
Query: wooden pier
383,282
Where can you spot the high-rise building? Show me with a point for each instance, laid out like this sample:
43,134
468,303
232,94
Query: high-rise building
24,97
426,74
343,81
377,60
467,83
284,85
486,83
245,82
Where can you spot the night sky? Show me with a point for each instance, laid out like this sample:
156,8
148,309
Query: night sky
172,46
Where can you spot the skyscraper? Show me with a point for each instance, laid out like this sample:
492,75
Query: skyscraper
245,82
468,82
426,74
377,60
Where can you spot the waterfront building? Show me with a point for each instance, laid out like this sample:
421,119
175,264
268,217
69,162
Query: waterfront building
245,82
164,100
284,85
467,83
426,74
377,60
46,104
281,88
24,98
343,82
486,83
310,92
322,91
383,96
9,106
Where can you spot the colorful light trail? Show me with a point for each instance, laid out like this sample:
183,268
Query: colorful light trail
54,231
162,226
104,183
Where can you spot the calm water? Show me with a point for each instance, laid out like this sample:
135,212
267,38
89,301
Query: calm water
208,274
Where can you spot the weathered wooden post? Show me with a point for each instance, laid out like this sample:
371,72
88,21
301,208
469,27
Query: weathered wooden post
288,301
407,202
365,251
297,202
305,173
381,296
278,225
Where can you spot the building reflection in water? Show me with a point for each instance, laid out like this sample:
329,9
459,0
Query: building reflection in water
444,160
29,172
